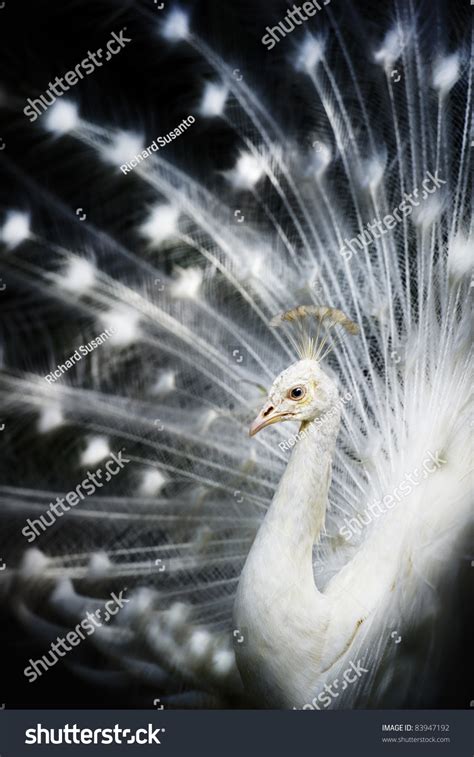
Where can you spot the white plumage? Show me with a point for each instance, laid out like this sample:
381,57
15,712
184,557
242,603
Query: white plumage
193,356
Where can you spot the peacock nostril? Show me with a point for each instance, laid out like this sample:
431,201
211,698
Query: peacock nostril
267,411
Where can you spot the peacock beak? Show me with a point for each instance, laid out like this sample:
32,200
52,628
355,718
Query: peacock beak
266,417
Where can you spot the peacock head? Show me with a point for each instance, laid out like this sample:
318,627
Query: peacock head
303,392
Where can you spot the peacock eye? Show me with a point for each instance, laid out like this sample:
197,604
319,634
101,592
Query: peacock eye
297,392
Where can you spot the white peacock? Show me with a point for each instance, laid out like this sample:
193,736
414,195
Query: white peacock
189,289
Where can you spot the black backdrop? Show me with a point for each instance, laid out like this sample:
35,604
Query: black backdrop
150,85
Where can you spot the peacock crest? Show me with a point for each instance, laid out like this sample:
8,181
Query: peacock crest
308,345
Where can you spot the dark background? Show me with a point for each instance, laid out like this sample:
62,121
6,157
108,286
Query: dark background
150,85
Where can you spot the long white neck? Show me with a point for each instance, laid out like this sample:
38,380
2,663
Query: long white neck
296,516
278,606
